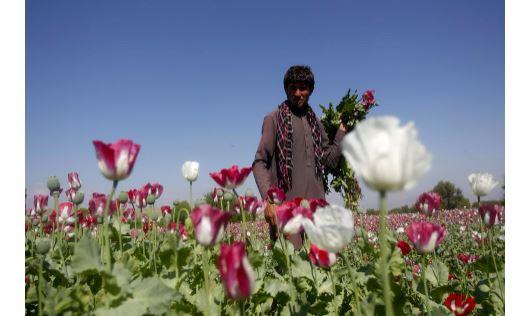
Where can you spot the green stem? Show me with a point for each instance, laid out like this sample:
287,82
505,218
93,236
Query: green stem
191,197
63,266
354,280
330,272
384,255
40,285
155,246
118,206
177,264
76,223
241,307
501,287
291,281
425,288
106,225
206,270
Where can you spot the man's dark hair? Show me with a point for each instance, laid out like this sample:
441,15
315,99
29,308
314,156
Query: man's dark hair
299,73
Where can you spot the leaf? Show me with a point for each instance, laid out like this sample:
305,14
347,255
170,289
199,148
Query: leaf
437,273
396,263
86,256
275,286
484,264
149,296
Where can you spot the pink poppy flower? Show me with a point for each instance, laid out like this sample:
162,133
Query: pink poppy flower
209,224
489,214
404,246
116,160
235,271
96,206
231,178
428,203
467,258
368,99
425,236
40,202
321,258
166,209
140,197
156,189
275,195
291,213
73,180
459,304
70,194
251,204
66,212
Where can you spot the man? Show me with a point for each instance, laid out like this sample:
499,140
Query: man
294,148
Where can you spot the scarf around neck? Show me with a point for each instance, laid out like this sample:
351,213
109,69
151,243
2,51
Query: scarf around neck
284,145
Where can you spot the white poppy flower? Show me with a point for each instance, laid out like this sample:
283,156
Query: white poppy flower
387,156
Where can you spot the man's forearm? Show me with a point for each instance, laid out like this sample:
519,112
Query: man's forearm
334,151
262,177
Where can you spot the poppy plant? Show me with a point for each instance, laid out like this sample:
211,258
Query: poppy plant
404,246
459,304
275,195
116,160
235,271
231,178
426,236
428,203
73,180
321,258
489,214
209,224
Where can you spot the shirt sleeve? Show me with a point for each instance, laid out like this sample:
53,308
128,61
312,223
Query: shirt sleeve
332,150
263,159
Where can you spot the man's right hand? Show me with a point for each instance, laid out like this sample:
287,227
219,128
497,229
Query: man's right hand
270,214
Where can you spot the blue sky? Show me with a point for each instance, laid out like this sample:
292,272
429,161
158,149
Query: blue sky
192,81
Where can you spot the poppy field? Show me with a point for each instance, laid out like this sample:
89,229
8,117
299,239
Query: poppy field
120,253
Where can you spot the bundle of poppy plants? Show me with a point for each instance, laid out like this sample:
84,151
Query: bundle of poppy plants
123,254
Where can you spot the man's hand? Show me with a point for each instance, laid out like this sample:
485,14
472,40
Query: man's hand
270,214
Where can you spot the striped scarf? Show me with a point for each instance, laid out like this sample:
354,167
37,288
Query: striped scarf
284,145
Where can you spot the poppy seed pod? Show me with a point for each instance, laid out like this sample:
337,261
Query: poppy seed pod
151,198
43,245
53,184
228,196
78,198
123,197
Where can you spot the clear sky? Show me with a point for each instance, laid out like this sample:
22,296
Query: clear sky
193,80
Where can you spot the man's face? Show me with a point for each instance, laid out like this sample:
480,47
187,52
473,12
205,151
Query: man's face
298,94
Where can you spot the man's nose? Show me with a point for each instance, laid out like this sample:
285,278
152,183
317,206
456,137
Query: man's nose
298,92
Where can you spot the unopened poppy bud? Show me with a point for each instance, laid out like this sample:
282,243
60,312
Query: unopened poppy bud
228,196
123,197
43,245
78,198
305,204
53,184
100,219
152,214
176,203
151,198
219,192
